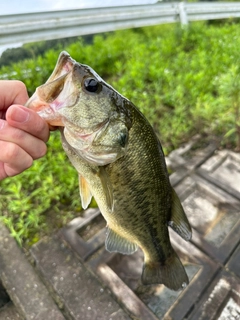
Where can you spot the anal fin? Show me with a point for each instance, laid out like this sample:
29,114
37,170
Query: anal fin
179,221
85,193
116,243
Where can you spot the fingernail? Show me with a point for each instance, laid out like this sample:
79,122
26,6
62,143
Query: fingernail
20,115
2,123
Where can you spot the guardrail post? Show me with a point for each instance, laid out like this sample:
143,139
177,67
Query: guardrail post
183,14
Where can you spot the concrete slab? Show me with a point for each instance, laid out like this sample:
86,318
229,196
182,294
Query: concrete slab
23,285
78,291
213,215
192,154
221,301
122,273
223,170
225,166
9,312
4,297
233,264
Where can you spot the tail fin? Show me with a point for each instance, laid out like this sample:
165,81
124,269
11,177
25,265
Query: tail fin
172,273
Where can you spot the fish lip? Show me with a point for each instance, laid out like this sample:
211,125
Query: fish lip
44,102
63,66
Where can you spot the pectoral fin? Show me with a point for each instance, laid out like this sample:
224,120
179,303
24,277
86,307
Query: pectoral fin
107,187
85,193
115,243
179,222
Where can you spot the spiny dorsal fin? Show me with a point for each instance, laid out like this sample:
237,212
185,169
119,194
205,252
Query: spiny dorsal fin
85,193
107,187
179,222
116,243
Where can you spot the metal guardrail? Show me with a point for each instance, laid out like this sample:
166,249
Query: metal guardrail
39,26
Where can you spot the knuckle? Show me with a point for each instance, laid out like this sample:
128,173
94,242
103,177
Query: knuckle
41,150
17,135
44,150
17,168
19,85
14,158
40,128
28,163
12,151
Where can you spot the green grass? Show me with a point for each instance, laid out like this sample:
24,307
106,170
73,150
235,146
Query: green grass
50,185
184,80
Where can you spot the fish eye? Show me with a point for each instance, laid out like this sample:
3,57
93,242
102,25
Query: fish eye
91,85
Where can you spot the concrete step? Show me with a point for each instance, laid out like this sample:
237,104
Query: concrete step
29,295
9,312
74,287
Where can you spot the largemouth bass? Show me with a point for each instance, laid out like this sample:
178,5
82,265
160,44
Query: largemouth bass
120,162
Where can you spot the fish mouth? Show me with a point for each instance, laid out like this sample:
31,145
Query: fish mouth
59,91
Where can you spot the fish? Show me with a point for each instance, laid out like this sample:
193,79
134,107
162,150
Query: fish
120,162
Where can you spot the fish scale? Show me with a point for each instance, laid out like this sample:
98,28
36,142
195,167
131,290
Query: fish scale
120,162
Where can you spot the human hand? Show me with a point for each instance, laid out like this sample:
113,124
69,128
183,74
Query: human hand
23,133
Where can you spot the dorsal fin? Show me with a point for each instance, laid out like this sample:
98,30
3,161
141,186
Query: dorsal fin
179,221
85,193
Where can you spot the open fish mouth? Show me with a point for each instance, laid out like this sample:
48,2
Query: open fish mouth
59,91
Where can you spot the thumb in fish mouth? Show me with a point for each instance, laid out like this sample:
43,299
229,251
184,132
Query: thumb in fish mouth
52,125
46,111
49,98
52,128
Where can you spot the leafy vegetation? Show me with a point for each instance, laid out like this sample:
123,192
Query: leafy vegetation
185,81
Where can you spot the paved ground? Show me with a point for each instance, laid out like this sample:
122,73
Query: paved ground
71,276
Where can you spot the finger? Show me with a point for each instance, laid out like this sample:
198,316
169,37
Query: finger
35,147
14,92
27,120
13,160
